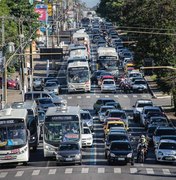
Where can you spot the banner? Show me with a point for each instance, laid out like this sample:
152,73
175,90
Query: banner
42,11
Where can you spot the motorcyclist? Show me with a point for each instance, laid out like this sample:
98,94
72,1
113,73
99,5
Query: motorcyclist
142,144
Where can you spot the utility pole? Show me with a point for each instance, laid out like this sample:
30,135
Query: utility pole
4,74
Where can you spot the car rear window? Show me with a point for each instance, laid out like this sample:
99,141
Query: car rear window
168,146
120,146
161,132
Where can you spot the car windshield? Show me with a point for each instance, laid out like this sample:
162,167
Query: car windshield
86,131
170,146
108,82
115,125
117,137
85,116
151,129
144,104
45,101
161,132
120,146
104,109
139,82
108,100
68,147
168,137
50,84
117,114
158,121
152,110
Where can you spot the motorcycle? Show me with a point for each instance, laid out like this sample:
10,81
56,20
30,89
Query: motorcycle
142,154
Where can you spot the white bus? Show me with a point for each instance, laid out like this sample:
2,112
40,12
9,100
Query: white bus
108,60
78,77
14,145
61,124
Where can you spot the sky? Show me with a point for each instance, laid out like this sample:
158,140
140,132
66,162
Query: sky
91,3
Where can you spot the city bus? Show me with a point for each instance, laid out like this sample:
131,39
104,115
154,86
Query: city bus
108,60
61,124
78,77
14,144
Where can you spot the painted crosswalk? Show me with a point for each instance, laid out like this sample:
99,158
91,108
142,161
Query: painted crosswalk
89,170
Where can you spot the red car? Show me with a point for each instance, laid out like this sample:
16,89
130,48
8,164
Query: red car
105,77
10,83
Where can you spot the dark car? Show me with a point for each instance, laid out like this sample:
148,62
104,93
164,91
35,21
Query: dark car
120,151
69,153
44,103
101,102
113,137
115,104
95,76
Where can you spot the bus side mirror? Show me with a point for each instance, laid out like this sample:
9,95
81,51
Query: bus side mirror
28,134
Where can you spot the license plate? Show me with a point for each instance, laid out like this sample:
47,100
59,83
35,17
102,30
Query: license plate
121,159
68,159
168,158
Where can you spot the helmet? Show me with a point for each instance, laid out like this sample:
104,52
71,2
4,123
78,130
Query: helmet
142,136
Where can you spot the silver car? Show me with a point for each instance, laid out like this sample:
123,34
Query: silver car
140,86
102,112
52,87
108,85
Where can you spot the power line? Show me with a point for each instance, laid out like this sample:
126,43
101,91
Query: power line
145,28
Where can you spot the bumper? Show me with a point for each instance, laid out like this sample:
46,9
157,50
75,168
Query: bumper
68,161
120,159
166,158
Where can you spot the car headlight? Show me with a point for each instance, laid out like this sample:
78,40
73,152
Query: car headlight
160,153
89,139
129,155
49,148
77,156
112,154
58,156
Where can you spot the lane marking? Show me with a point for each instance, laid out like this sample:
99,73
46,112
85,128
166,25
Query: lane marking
78,97
166,172
88,97
101,170
35,172
3,174
117,170
134,96
125,96
133,170
97,96
52,171
116,96
69,97
85,170
68,170
149,170
19,173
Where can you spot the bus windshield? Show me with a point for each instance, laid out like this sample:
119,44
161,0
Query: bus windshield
12,135
57,131
78,75
108,62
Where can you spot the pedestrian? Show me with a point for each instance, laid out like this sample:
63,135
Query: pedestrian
17,82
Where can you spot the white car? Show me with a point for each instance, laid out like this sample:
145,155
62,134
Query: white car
139,86
38,84
166,151
108,85
87,137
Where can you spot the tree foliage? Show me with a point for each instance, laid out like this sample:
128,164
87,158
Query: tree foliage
152,25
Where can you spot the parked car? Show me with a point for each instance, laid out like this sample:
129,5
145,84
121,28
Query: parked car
120,151
166,151
10,83
68,153
87,137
